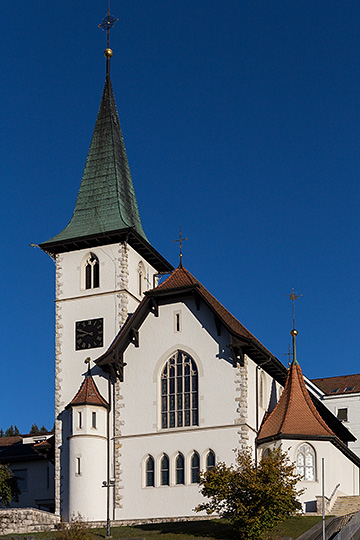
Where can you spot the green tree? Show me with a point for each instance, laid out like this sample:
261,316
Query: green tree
2,434
43,429
12,431
253,497
34,429
9,489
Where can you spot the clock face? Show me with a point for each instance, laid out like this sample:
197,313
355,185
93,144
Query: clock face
89,334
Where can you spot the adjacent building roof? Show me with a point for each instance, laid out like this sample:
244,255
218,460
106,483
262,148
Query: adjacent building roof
88,394
17,449
345,384
295,415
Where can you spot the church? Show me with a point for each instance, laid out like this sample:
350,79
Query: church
155,380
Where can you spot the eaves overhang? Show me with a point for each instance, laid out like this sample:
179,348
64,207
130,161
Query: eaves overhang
299,437
154,297
129,235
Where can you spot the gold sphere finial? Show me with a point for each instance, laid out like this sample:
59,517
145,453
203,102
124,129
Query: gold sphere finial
108,53
294,332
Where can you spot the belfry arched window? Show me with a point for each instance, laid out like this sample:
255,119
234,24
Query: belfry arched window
305,462
92,272
179,392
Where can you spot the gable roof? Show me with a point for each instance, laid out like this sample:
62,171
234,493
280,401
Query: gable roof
88,394
181,285
333,386
295,414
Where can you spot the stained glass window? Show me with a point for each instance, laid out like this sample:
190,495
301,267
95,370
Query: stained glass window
305,462
179,392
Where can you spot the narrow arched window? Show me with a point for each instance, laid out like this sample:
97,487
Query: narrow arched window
180,469
305,462
150,472
262,391
179,392
210,460
195,468
141,278
92,272
164,470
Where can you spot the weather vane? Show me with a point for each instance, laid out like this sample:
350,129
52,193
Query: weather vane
180,240
106,25
293,296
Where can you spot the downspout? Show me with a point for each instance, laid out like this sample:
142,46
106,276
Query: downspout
256,409
108,528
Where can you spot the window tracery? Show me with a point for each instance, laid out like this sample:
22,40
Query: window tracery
305,462
92,272
179,392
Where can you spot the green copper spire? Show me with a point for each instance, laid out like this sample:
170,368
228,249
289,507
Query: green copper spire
106,201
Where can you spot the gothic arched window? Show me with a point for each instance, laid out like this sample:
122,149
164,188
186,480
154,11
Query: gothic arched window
179,392
210,460
195,468
305,462
180,469
150,472
92,272
141,278
164,467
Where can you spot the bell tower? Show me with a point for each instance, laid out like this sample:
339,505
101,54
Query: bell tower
104,264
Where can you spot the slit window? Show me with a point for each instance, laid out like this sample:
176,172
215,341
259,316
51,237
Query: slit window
93,420
78,466
79,417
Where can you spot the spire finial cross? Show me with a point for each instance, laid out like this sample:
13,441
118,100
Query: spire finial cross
293,296
107,24
180,240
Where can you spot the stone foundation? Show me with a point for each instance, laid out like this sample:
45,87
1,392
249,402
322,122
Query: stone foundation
26,520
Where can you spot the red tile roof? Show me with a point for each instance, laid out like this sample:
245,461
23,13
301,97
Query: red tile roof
88,394
9,441
183,278
333,386
295,413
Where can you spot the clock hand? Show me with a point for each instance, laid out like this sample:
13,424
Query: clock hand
85,333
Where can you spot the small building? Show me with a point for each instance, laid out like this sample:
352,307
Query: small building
31,458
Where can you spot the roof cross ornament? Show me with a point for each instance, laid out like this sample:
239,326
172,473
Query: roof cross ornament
180,240
293,296
106,25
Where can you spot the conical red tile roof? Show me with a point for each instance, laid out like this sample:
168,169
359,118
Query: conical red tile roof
295,414
88,394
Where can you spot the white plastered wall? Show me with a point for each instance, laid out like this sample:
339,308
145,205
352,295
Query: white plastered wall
339,469
116,296
219,415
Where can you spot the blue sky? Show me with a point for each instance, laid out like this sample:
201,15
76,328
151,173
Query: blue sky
241,123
